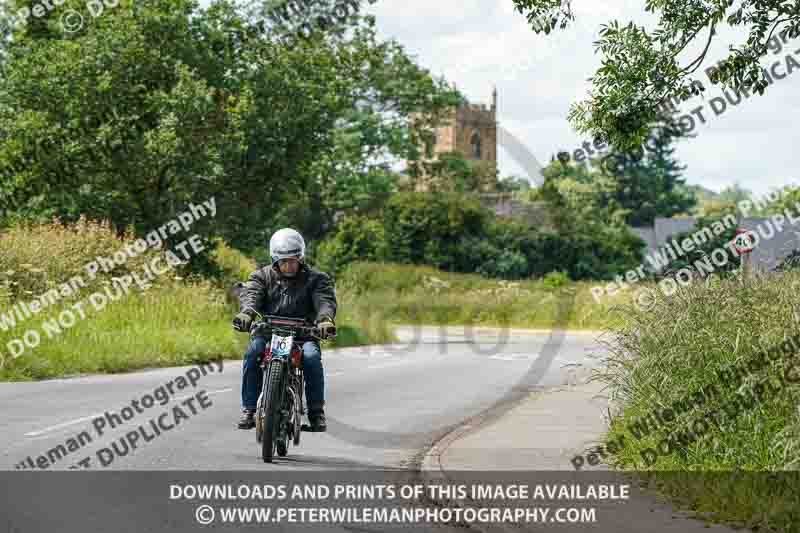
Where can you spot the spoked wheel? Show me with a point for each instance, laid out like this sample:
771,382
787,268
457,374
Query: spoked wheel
292,428
273,408
260,418
297,421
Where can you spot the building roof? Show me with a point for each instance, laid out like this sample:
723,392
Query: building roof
767,255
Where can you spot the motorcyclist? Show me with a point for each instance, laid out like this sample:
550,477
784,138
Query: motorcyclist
290,288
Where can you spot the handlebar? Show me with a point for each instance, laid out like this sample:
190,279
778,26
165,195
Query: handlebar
296,330
297,326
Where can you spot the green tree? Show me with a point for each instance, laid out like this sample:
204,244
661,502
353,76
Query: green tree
728,199
647,183
574,194
449,172
388,89
735,193
484,176
513,183
429,229
707,200
788,198
453,232
158,103
356,238
640,68
592,239
724,202
714,208
631,187
452,172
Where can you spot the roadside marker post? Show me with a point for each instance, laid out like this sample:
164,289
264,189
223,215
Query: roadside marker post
744,243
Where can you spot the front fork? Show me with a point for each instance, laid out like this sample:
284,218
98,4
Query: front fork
265,392
296,379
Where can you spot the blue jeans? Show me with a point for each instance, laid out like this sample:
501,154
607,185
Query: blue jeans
252,375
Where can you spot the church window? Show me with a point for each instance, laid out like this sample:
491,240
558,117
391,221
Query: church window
475,144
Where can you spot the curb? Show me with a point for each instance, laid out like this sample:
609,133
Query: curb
429,467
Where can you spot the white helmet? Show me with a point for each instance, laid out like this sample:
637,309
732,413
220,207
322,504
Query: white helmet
287,243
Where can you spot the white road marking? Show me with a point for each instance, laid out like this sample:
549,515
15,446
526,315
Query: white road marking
90,417
209,393
513,357
63,425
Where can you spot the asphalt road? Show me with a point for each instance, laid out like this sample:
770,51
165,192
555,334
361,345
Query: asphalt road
385,405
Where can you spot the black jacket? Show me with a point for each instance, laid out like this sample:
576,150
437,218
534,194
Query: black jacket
310,295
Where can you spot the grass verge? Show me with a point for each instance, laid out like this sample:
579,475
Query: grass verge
175,322
405,294
707,382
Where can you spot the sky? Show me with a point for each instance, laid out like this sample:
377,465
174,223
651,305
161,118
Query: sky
481,43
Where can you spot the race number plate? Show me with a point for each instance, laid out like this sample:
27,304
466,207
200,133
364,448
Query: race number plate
281,346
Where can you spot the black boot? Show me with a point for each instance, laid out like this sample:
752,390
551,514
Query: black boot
248,420
316,419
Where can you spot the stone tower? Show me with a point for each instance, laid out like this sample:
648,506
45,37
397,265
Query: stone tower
471,130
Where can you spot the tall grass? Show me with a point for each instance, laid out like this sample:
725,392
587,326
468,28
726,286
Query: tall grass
35,258
406,294
661,356
175,322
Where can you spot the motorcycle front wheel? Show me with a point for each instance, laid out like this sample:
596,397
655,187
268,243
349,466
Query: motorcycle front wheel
272,411
260,410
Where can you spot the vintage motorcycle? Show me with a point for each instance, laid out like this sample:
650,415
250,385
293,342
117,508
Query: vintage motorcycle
280,409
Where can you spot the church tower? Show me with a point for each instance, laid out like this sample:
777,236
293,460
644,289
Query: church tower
471,130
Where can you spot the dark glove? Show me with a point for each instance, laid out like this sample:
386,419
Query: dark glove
242,321
326,328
